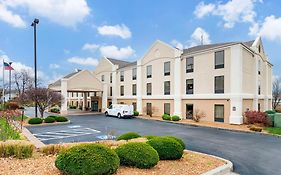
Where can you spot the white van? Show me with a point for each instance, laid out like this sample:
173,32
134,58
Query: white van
120,110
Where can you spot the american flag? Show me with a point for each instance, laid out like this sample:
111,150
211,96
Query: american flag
7,66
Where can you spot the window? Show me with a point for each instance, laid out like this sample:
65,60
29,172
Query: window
167,108
134,89
134,105
259,107
148,88
219,59
110,77
102,77
149,109
259,48
219,113
148,71
110,91
88,94
72,94
219,84
122,76
189,86
134,73
259,88
167,88
259,67
167,68
122,90
189,64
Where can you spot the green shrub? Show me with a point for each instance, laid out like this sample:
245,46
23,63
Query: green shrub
175,118
166,117
140,155
180,141
167,148
33,121
18,149
53,116
270,111
128,136
150,137
72,107
55,110
49,120
256,128
136,113
91,159
61,119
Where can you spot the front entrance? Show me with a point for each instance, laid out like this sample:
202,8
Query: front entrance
189,111
95,106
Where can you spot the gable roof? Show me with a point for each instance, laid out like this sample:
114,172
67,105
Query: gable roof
58,82
118,62
212,46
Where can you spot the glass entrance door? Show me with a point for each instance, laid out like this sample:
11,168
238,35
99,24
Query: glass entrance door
95,106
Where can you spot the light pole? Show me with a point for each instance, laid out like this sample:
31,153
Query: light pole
34,23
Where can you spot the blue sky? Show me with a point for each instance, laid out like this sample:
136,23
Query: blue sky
76,33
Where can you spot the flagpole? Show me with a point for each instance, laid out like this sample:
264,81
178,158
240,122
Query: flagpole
3,84
10,72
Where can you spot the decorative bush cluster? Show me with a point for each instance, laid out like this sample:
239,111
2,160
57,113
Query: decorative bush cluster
55,110
128,136
167,148
88,159
140,155
136,113
49,120
18,149
12,105
166,117
72,107
256,128
59,118
175,118
253,117
33,121
180,141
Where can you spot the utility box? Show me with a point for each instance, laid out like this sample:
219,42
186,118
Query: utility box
277,120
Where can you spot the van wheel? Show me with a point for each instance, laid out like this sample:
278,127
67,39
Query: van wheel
119,115
106,114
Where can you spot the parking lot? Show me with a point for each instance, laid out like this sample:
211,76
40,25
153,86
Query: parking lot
251,153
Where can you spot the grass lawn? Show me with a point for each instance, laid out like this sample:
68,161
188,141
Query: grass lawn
19,118
274,130
7,132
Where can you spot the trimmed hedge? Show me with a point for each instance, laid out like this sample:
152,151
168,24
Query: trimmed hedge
128,136
166,117
136,113
175,118
88,159
167,148
34,121
270,111
49,120
140,155
180,141
55,110
61,119
150,137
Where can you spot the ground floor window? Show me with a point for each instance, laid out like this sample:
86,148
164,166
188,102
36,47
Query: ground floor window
167,108
149,109
259,107
189,111
219,113
88,104
134,105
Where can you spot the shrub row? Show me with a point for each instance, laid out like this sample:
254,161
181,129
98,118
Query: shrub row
49,119
168,117
55,110
136,113
128,136
18,149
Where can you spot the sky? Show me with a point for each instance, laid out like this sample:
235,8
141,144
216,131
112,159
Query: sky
77,33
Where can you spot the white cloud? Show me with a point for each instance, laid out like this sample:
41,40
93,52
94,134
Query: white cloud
90,47
54,66
231,12
62,12
11,18
203,9
197,36
177,44
118,30
89,61
115,52
270,28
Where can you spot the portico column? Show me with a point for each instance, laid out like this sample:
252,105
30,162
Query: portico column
84,101
63,109
177,87
104,97
114,85
256,100
266,88
139,87
79,99
236,85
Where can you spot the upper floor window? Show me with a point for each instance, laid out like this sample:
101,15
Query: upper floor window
121,90
167,88
122,76
148,89
259,88
189,86
219,84
134,89
134,73
167,68
259,48
102,77
259,67
189,64
110,91
219,59
110,77
149,71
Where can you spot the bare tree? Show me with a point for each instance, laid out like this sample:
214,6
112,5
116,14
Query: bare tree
43,96
276,92
23,80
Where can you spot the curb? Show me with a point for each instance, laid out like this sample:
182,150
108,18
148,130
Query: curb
221,170
36,142
226,129
48,124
